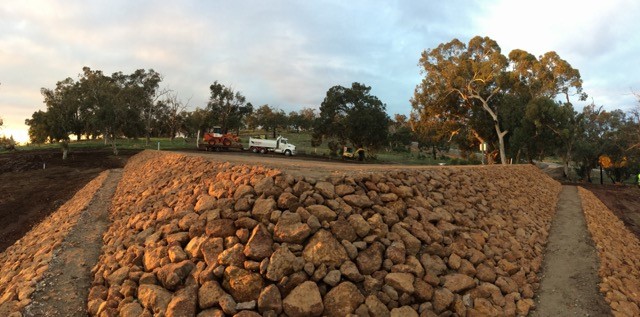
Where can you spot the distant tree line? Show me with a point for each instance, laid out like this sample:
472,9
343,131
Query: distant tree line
519,105
134,106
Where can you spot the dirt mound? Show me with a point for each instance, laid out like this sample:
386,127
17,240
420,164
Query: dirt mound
190,236
23,264
619,251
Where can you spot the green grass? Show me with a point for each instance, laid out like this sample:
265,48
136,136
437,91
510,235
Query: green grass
301,140
126,144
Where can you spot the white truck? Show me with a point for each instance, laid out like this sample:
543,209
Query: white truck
279,145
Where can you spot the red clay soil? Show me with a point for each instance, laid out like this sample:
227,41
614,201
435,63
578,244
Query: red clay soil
622,200
29,193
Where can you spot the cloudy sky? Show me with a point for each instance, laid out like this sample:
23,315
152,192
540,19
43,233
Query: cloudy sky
289,53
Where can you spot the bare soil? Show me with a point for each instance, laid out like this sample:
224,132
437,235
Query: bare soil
570,279
308,166
622,200
29,193
65,287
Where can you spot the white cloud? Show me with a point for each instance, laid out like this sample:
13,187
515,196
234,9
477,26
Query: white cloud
600,38
288,53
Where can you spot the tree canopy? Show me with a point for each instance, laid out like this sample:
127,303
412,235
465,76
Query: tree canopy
352,115
227,107
96,104
471,87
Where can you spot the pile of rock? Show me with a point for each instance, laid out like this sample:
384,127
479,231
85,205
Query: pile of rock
619,251
193,237
24,264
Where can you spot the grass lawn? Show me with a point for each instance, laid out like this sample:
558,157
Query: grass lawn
302,141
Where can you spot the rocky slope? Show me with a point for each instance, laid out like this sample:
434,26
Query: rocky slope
619,251
24,264
193,237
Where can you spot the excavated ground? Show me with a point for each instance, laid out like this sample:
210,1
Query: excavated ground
24,264
191,236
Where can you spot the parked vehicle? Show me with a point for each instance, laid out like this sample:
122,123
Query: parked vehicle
350,153
216,140
279,145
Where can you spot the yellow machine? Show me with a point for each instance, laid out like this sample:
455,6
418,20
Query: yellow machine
350,153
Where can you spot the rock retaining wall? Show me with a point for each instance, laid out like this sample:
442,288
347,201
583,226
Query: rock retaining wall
24,264
193,237
619,251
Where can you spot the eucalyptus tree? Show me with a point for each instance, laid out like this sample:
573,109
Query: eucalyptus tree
460,79
463,81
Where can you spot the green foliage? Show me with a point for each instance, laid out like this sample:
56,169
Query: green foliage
196,120
96,104
461,82
613,134
270,119
352,115
7,144
302,120
38,127
334,148
227,108
472,94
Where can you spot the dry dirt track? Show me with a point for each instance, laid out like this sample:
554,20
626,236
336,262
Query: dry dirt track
570,272
297,166
64,290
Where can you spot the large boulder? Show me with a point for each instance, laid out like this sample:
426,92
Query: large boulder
260,243
342,300
154,297
243,285
304,300
323,248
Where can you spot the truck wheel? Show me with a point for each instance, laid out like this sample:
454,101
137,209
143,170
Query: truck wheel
226,142
287,153
254,150
263,151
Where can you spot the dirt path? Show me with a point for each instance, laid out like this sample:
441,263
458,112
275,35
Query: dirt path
64,290
301,166
570,271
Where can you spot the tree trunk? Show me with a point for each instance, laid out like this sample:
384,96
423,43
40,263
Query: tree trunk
601,177
65,149
501,134
113,146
